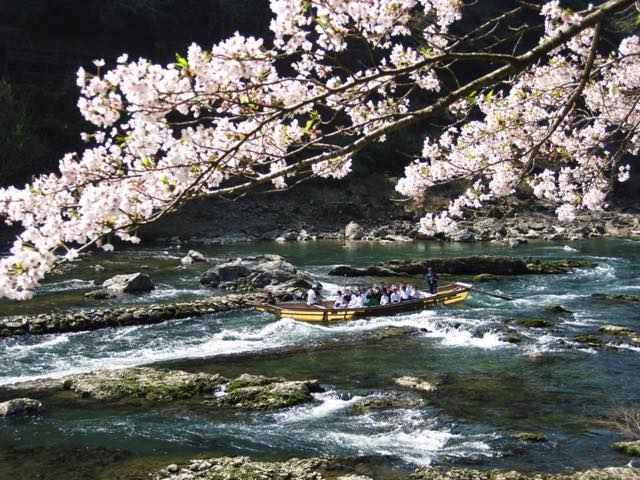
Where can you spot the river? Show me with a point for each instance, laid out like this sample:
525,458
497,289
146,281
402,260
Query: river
489,389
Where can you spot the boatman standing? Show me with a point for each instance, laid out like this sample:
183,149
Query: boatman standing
431,278
313,294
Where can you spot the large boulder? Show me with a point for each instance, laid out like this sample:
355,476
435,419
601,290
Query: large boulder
255,272
20,406
142,382
354,231
133,283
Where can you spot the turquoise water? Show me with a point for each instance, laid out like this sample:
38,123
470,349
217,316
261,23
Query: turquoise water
490,389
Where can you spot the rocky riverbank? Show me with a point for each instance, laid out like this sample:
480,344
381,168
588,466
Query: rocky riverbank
474,265
223,468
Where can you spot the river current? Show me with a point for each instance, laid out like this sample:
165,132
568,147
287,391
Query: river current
489,389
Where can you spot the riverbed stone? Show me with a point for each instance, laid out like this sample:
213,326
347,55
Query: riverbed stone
133,283
484,277
533,437
142,382
354,231
20,406
257,392
616,330
461,473
418,383
628,448
591,340
236,468
617,297
534,322
558,309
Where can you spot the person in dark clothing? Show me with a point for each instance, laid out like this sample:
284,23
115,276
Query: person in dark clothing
271,300
431,279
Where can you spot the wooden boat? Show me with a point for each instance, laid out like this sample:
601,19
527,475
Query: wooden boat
325,312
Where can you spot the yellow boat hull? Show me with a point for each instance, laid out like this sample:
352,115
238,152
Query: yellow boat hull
450,294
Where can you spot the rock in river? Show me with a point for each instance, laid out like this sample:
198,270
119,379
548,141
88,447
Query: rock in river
416,383
142,382
461,473
255,272
487,264
20,406
134,283
256,392
232,468
353,231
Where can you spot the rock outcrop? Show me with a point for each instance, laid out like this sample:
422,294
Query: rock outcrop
231,468
416,383
480,264
460,473
251,273
133,283
93,319
257,392
20,406
628,448
142,382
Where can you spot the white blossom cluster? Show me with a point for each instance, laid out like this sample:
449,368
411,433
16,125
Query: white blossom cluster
241,113
521,136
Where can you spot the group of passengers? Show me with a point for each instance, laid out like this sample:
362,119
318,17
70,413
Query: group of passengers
375,295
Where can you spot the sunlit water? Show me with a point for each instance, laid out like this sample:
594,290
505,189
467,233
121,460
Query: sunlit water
490,389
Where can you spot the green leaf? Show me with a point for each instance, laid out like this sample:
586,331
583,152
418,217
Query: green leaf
181,61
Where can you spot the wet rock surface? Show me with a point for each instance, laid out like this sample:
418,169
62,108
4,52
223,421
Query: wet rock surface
478,264
93,319
631,448
142,382
20,406
251,273
232,468
257,392
442,473
133,283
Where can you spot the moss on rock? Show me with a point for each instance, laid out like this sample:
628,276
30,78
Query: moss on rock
534,323
484,277
268,393
142,382
628,448
591,340
533,437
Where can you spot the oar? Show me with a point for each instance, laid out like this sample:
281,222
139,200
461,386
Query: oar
496,295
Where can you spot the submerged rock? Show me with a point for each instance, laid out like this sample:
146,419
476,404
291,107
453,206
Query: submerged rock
256,392
616,330
20,406
628,448
617,297
556,309
417,383
534,322
370,404
484,277
591,340
142,382
101,294
534,437
134,283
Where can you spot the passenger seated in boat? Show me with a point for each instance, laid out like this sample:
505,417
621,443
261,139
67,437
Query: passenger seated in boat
270,300
372,299
395,296
356,299
313,295
346,298
404,294
339,300
414,291
384,299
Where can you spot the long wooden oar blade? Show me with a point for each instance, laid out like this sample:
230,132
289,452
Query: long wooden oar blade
496,295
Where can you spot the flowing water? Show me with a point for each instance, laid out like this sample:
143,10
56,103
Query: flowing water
490,389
